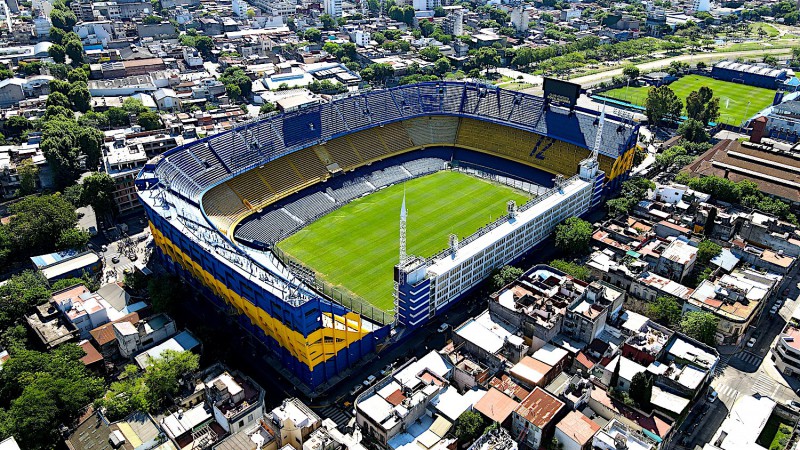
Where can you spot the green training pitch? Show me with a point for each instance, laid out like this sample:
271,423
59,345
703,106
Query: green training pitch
733,97
356,247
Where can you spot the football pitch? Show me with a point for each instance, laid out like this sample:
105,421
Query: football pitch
733,97
356,246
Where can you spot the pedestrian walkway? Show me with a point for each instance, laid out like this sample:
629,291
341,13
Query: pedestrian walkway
338,415
722,364
726,393
750,358
764,385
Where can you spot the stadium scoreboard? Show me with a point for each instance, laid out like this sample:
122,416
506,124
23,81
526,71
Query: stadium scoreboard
559,91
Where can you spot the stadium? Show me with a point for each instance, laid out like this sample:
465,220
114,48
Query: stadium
255,217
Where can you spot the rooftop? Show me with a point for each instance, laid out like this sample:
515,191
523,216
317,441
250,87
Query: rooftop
539,408
496,405
578,427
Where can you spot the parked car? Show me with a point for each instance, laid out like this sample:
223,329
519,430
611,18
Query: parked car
356,389
115,259
751,342
712,396
794,404
774,309
443,327
387,370
370,379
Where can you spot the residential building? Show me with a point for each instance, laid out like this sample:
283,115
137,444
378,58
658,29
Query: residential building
616,435
453,23
294,422
181,342
535,416
586,316
333,8
786,352
744,423
236,400
576,431
132,338
123,162
135,432
736,298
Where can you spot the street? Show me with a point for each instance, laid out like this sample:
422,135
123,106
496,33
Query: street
744,371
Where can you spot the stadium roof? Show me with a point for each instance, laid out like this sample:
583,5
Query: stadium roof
758,69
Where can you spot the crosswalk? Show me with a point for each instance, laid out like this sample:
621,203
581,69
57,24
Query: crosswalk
338,415
764,385
750,358
726,392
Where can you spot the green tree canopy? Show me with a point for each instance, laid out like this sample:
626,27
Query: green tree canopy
505,275
693,131
98,192
150,120
573,235
37,222
469,426
665,310
641,389
631,71
700,325
662,105
576,270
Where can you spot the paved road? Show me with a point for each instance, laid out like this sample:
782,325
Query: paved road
745,371
591,80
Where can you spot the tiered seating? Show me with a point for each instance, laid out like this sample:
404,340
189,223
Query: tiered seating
341,152
443,129
251,187
349,191
419,131
430,98
310,207
223,206
553,156
281,176
269,228
382,107
424,166
228,145
308,163
387,176
395,137
452,98
269,139
408,100
488,105
368,144
332,122
471,99
355,112
527,112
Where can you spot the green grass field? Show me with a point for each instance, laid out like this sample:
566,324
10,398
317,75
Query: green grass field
733,97
356,246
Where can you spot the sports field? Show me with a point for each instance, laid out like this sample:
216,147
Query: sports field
356,246
733,97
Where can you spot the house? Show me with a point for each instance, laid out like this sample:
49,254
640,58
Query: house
183,341
236,400
133,337
104,338
166,99
11,91
535,417
576,431
135,432
294,422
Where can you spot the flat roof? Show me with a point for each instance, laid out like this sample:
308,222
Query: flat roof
544,205
578,427
496,405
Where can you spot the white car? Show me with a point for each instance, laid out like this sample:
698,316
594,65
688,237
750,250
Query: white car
370,379
751,342
356,389
774,309
443,327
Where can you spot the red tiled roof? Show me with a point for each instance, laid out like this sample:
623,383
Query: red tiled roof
105,333
539,408
92,355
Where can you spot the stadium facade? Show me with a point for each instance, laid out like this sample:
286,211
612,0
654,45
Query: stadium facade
196,195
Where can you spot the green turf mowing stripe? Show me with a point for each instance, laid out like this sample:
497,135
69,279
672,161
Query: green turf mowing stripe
733,97
356,246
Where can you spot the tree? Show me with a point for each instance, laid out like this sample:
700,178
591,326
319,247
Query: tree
469,426
615,375
631,71
505,275
150,120
770,60
80,97
57,52
313,35
58,99
700,325
20,294
693,131
573,235
641,389
328,22
63,19
430,53
267,108
37,221
43,390
662,104
74,50
570,268
77,75
665,310
72,239
237,83
487,57
117,117
701,105
98,192
442,66
701,65
15,126
28,177
163,375
706,251
93,119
